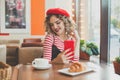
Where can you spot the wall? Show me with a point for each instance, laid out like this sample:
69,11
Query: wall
38,9
65,4
37,17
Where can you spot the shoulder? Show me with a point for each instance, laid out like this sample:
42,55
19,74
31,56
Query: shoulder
49,37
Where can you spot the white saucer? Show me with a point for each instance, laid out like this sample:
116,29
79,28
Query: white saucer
42,67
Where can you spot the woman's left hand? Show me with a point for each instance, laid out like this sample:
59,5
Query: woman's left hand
63,57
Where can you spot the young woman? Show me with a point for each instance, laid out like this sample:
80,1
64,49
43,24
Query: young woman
59,28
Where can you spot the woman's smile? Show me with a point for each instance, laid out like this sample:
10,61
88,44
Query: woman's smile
57,29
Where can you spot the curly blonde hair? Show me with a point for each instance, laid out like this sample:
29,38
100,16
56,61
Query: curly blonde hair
69,24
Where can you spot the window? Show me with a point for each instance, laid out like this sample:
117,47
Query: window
88,20
115,29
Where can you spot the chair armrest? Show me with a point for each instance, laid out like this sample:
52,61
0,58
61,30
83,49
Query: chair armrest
28,40
33,44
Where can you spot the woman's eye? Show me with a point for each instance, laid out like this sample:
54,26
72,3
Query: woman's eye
51,24
58,23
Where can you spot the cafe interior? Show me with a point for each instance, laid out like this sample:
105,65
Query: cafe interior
22,34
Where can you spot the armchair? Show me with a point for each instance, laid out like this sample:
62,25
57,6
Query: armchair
12,47
30,49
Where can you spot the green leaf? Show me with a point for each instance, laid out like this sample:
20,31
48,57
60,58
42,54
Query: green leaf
95,51
83,48
88,51
118,59
82,42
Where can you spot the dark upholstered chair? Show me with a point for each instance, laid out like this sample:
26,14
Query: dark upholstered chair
30,49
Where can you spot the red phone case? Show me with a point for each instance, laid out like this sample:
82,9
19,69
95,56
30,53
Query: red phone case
69,44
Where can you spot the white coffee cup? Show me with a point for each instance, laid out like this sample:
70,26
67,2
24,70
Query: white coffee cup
40,62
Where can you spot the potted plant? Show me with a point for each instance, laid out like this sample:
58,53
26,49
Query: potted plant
116,64
88,49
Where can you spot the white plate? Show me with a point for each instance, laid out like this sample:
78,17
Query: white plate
65,71
43,67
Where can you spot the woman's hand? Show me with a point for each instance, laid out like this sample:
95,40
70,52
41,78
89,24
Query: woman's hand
63,57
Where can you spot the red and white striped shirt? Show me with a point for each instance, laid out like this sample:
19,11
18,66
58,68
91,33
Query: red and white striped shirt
49,41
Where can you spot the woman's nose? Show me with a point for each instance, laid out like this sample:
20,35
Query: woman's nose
55,25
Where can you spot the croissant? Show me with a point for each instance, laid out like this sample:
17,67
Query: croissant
76,67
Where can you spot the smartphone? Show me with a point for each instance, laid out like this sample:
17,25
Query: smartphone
69,44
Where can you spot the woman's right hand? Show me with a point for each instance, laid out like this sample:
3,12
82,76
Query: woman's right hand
63,57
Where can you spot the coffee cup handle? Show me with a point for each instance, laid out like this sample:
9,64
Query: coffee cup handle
33,63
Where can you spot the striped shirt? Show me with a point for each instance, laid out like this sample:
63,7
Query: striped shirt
49,41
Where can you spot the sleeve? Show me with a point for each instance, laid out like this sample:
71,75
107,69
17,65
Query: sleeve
76,58
47,47
76,52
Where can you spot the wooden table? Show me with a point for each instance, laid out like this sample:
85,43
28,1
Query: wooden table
27,72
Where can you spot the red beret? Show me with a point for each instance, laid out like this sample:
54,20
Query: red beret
57,11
